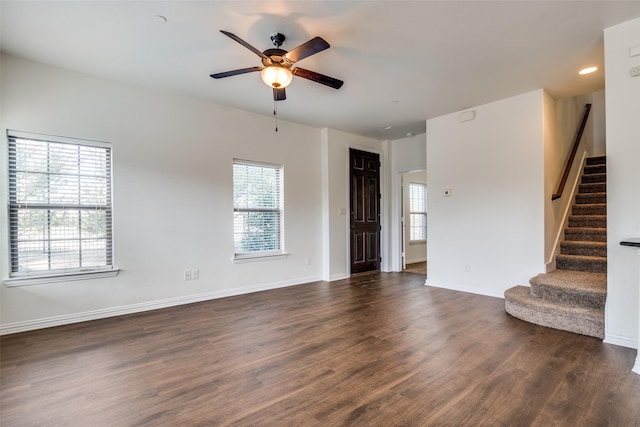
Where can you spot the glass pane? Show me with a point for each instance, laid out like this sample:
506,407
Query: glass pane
65,224
256,186
32,188
94,224
93,191
32,225
94,252
256,231
32,256
65,254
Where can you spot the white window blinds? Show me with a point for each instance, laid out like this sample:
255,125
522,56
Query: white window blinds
417,212
59,204
257,208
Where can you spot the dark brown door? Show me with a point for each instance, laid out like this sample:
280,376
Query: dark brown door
365,211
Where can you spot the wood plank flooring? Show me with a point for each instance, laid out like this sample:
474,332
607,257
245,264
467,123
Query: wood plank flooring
376,350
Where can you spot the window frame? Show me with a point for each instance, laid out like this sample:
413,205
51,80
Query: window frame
258,255
419,213
79,272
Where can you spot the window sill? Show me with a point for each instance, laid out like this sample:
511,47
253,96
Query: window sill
241,259
63,277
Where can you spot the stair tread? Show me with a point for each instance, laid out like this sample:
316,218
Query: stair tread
573,280
521,304
583,257
583,243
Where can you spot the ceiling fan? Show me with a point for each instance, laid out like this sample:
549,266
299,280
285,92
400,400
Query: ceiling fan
277,68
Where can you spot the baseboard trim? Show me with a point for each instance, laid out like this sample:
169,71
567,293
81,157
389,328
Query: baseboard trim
477,291
341,276
413,261
621,341
48,322
636,367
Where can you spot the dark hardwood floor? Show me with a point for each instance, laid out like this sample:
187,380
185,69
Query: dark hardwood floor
377,350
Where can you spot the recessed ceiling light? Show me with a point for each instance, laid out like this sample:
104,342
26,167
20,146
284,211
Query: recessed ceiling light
588,70
386,127
160,19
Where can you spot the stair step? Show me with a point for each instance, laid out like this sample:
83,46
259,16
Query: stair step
591,198
593,264
521,304
574,288
584,248
588,170
591,209
594,177
588,221
597,160
585,234
593,187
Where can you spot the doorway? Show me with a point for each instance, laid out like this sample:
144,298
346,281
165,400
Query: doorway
364,173
414,221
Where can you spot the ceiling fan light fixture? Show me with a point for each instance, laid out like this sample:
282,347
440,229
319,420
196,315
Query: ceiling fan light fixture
276,76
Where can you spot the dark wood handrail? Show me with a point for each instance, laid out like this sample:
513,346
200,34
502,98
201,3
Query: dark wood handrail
572,155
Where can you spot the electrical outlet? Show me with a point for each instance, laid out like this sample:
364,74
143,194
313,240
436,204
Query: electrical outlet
467,268
635,71
187,275
308,261
195,274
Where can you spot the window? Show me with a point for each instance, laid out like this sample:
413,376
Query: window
417,212
59,205
257,209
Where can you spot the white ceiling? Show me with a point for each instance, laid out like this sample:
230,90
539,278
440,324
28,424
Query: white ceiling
402,61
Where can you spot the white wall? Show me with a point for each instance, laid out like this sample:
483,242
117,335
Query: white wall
172,179
489,235
623,182
598,114
417,251
335,190
407,154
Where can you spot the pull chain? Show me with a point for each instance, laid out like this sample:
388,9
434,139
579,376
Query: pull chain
275,112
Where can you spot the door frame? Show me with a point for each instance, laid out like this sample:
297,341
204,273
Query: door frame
397,216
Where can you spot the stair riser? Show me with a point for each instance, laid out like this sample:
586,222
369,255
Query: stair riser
599,160
588,170
580,235
587,222
589,209
571,248
560,296
597,187
591,198
595,266
594,178
566,321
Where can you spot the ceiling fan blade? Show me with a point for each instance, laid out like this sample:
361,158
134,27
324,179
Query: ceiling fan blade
236,72
313,46
245,44
318,78
279,94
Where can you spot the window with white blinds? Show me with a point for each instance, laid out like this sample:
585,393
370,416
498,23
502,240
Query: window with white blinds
59,204
417,212
257,208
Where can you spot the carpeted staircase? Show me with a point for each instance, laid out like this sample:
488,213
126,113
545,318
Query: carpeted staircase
572,297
